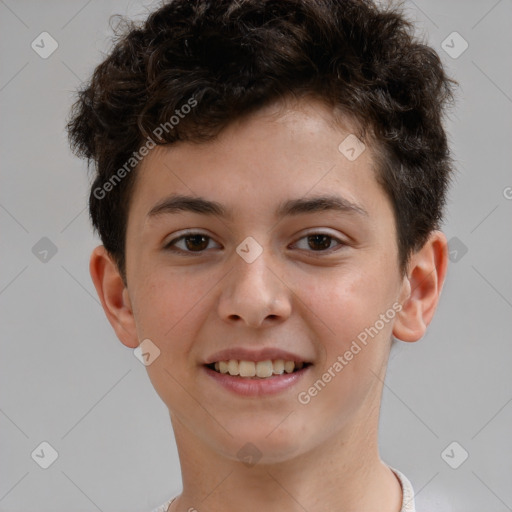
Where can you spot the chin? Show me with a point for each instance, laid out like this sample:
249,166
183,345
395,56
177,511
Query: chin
260,445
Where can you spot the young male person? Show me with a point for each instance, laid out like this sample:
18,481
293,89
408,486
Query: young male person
270,180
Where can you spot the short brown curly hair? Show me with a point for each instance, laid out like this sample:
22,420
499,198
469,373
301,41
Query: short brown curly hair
236,56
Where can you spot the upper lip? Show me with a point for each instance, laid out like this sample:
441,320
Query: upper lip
264,354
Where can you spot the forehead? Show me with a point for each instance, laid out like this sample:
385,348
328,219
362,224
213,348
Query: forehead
286,150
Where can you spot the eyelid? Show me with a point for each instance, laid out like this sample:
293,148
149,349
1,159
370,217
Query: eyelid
185,232
319,231
176,237
322,231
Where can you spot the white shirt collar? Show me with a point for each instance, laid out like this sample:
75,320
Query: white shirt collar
407,492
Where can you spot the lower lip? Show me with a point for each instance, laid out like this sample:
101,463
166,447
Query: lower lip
246,386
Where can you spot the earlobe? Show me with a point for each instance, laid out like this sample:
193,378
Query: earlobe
422,288
113,295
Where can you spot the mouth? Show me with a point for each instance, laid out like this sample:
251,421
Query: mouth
258,370
260,373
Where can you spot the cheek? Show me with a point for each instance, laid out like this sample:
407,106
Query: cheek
169,300
171,304
355,346
347,301
347,307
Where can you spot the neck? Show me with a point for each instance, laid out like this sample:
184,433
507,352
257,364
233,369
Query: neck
344,473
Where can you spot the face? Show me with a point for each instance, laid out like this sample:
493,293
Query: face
265,244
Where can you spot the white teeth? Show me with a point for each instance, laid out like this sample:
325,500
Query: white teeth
260,369
289,366
263,368
246,369
278,367
233,367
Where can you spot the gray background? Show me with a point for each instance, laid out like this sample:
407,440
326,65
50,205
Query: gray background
67,380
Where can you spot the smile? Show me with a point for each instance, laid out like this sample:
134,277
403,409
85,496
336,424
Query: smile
256,369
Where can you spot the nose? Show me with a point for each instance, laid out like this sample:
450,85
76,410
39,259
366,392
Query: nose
255,294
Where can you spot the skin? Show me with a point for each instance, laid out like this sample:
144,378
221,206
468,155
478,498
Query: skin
319,456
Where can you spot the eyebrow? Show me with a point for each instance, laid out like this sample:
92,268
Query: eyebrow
182,203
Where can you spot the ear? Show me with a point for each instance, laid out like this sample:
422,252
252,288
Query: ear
113,295
422,288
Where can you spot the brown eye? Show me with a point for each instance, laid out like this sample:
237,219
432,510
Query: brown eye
193,243
319,242
196,242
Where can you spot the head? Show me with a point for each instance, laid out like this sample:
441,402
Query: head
306,134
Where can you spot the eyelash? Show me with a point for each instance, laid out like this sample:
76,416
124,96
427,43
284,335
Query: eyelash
171,245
